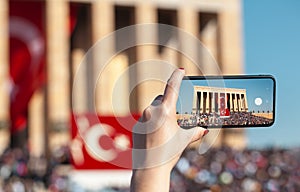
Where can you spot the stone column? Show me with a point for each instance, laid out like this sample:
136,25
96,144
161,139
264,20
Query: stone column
231,45
57,13
231,103
79,94
236,107
188,22
37,132
118,86
201,103
4,65
103,24
230,22
240,102
195,102
246,103
207,102
4,77
213,102
149,89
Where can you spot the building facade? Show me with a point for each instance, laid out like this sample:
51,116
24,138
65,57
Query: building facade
212,99
216,23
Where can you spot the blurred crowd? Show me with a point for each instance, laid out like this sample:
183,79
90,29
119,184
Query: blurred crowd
20,172
214,119
226,169
219,169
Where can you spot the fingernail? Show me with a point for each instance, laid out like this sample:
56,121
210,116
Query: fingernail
205,132
181,68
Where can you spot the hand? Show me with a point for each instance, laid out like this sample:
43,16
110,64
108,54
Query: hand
158,141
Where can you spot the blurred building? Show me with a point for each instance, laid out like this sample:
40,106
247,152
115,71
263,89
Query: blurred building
217,23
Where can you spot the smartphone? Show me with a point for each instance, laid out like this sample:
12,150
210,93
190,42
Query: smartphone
226,101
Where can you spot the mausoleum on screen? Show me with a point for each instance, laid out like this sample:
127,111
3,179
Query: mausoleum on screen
216,99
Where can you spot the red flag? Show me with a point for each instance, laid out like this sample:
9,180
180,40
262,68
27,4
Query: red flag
102,142
227,112
222,105
27,56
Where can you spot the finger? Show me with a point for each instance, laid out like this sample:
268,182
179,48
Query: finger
146,115
147,112
199,133
173,86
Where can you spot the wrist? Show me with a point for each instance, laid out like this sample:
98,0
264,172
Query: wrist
151,179
165,170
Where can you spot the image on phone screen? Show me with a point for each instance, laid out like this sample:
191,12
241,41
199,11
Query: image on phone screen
230,101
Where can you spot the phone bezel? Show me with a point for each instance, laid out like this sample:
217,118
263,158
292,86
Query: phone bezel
266,76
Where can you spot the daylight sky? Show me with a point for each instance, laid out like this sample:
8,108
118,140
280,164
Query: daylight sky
272,46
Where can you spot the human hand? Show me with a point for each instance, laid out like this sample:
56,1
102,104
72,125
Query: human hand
158,141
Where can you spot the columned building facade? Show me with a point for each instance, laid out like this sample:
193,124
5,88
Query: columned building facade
216,23
212,99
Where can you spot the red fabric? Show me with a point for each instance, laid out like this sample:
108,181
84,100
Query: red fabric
74,9
82,157
222,106
227,112
27,56
27,45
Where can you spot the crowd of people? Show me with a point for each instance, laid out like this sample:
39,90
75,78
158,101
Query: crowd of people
226,169
214,119
20,172
219,169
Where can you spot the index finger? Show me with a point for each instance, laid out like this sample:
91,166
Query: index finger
173,86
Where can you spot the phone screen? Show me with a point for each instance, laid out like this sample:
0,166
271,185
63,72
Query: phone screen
226,101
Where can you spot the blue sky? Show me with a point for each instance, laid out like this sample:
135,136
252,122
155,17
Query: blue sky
272,46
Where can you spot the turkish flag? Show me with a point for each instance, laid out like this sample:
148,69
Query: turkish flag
27,57
27,52
102,142
222,106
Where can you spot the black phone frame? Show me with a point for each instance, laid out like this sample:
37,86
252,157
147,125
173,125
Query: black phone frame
262,76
